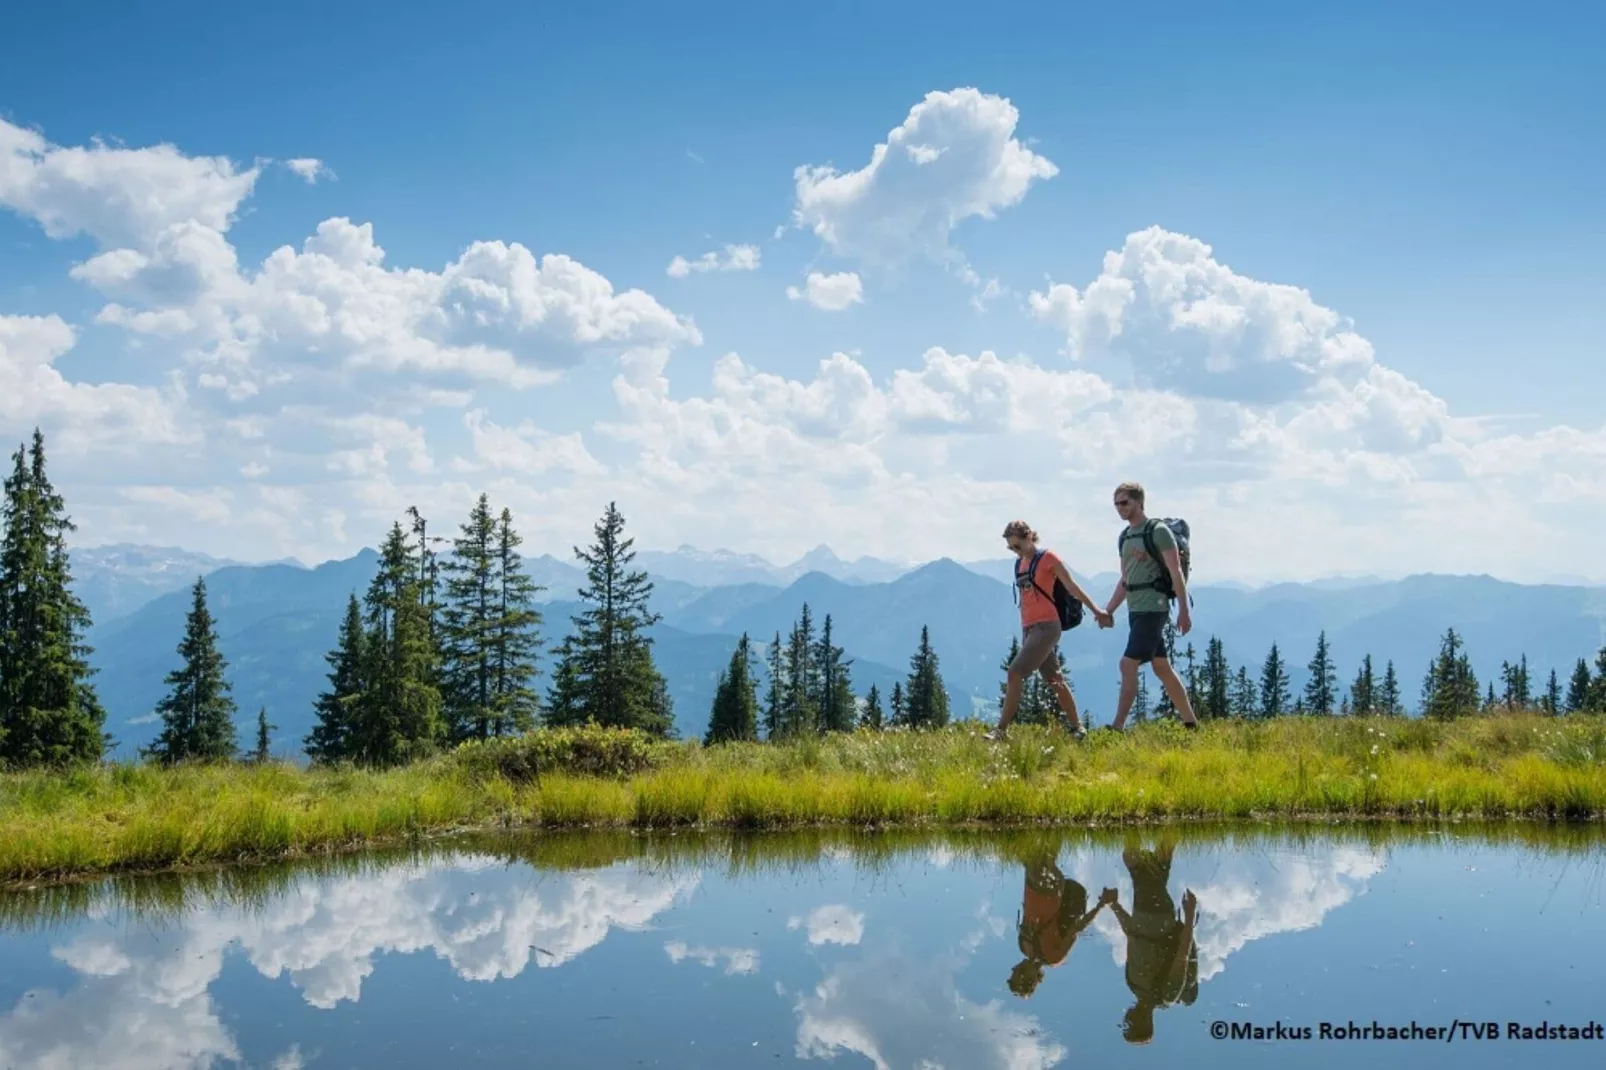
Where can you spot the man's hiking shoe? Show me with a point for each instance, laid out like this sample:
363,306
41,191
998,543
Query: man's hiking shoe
1078,733
1192,726
992,735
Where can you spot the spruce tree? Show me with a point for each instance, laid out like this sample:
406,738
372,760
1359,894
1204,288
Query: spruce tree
872,717
467,614
898,709
488,623
49,711
1597,689
332,738
1579,688
1245,694
1389,701
1321,690
1216,683
1275,699
618,685
835,701
564,702
198,712
261,754
399,714
775,695
800,711
515,636
1451,688
1552,699
925,698
1363,692
1140,702
735,712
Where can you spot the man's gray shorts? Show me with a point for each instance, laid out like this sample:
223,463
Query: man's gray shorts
1037,643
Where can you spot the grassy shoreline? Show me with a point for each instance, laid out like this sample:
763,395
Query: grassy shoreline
58,826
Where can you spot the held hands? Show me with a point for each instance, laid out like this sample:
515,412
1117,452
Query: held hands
1105,618
1108,896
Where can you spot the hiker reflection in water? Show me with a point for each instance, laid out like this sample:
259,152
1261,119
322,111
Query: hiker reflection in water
1162,960
1053,914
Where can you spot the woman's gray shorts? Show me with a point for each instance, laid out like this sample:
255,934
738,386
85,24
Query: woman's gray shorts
1037,644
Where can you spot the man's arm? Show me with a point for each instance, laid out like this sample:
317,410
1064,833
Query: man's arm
1185,945
1118,597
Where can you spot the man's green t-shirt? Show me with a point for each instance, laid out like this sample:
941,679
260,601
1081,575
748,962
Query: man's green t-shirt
1137,567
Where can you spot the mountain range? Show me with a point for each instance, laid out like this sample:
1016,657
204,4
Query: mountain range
276,621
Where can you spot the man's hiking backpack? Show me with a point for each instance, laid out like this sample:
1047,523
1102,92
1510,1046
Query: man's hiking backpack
1179,531
1069,609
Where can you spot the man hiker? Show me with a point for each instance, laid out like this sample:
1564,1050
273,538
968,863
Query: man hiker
1035,573
1053,914
1162,955
1148,605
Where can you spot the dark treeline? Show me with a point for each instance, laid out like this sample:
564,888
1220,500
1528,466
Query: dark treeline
444,647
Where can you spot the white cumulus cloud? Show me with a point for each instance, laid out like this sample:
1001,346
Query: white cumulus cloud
735,258
831,293
955,157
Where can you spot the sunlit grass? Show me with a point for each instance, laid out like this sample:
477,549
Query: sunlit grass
133,818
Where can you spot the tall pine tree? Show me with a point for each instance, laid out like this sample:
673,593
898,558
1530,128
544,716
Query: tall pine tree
1215,685
775,694
49,712
1321,690
1140,703
1275,699
925,699
734,716
610,653
1450,688
515,635
1245,694
487,630
835,701
1390,702
261,754
333,737
1579,687
1597,688
1363,692
198,712
872,718
1551,703
799,709
898,717
399,715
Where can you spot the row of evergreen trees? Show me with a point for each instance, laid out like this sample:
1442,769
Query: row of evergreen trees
811,690
1449,686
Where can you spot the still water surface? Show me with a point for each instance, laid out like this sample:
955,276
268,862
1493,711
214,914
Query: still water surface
889,951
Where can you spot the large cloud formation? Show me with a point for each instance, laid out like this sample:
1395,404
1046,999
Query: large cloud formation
298,406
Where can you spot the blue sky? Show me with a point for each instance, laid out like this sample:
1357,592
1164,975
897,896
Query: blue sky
1431,176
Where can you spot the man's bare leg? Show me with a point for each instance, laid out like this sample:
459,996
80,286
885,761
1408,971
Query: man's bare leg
1129,692
1173,687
